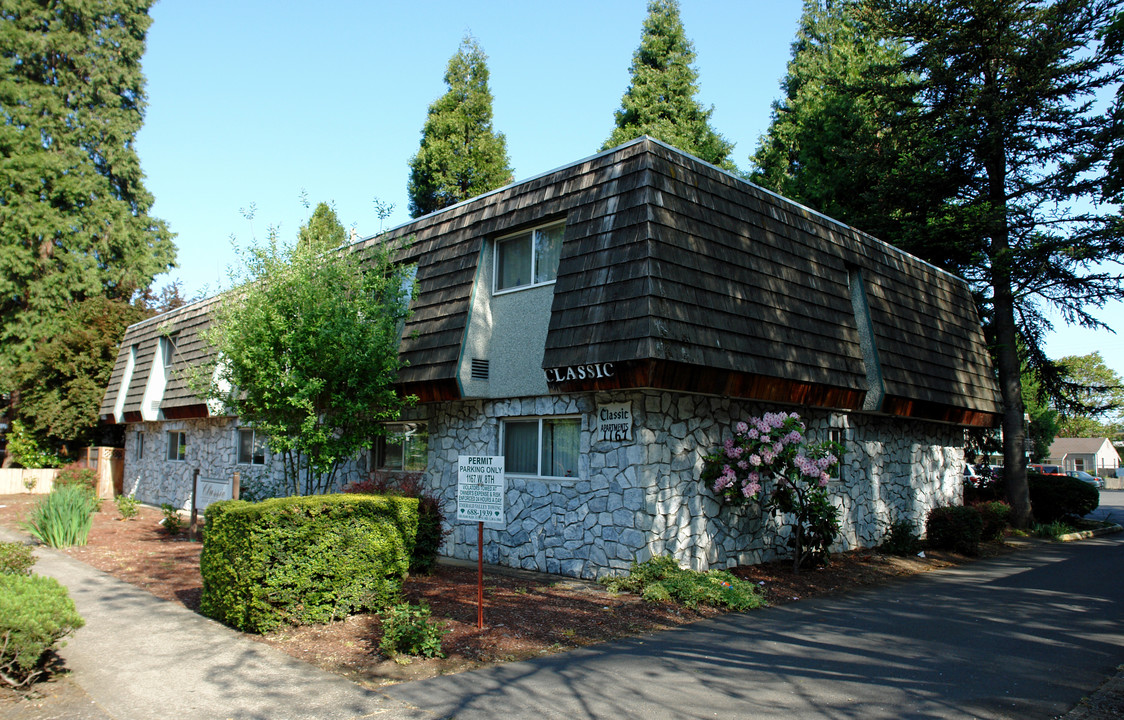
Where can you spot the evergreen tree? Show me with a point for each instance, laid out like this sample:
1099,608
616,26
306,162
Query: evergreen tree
461,156
323,229
829,144
1004,92
660,100
74,222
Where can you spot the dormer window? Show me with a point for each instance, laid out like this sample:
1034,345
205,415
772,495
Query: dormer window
529,258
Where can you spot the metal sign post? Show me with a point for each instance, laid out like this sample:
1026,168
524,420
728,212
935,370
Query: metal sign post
480,491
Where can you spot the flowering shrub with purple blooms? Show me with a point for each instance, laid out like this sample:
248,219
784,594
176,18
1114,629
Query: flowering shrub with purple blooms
774,449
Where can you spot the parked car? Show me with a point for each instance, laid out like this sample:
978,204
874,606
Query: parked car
1086,477
1045,469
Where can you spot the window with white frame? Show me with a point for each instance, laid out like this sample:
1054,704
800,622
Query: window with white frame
404,447
138,446
542,447
177,446
528,258
168,345
251,447
1079,464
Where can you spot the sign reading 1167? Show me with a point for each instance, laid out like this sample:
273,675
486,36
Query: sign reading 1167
480,488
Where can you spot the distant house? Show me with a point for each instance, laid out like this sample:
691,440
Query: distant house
1093,455
602,327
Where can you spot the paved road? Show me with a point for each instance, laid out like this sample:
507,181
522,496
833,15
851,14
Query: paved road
1111,507
1022,636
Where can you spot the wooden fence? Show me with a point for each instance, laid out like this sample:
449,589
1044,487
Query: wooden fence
12,481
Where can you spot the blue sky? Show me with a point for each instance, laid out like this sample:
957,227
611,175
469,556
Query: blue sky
252,103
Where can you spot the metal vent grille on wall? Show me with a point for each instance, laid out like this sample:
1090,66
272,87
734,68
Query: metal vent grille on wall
479,369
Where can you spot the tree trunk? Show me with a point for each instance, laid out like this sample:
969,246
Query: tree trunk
1014,427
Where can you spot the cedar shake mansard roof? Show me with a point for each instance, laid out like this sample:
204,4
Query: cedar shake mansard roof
687,278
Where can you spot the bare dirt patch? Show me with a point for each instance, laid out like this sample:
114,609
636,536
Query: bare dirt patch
526,615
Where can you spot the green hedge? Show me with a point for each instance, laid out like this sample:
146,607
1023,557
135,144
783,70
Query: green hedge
304,560
1055,497
956,528
35,614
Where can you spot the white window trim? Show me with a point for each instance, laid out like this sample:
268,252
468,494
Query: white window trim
181,442
538,444
253,442
496,259
390,427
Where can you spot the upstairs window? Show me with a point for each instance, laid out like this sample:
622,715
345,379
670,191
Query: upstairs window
529,258
168,345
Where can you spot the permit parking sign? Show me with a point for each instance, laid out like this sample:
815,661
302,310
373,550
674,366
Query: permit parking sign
480,488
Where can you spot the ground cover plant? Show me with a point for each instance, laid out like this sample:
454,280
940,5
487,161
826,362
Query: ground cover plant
661,579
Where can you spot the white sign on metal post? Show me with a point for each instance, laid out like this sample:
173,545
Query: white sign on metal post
480,488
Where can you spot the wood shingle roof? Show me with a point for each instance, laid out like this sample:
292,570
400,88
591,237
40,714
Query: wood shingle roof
686,278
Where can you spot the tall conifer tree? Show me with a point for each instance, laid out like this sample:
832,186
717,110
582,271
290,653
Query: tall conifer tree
74,222
461,155
660,100
991,108
829,144
323,229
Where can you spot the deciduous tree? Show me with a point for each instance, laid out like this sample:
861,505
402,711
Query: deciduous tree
461,155
308,341
660,100
1093,397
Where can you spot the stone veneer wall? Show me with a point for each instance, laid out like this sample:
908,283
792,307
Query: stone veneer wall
633,500
211,447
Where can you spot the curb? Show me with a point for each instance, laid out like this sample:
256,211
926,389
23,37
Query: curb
1105,703
1086,534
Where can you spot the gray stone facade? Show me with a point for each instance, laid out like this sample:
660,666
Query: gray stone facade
633,500
212,447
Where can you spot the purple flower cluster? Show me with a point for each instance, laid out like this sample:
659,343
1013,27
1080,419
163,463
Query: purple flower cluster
772,446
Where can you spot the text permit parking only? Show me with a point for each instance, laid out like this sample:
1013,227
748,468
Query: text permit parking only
480,488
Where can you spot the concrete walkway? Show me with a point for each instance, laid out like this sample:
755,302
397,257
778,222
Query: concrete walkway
1022,636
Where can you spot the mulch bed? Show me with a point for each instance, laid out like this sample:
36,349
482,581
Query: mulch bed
525,615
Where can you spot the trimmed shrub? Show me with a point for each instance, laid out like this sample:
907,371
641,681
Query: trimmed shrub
901,540
64,517
15,559
1055,497
956,528
431,513
304,560
660,579
995,516
35,614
